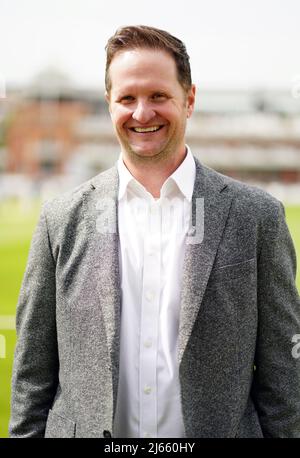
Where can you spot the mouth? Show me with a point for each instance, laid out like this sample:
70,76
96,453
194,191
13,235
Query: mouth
145,130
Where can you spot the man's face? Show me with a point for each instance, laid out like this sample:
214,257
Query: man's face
148,106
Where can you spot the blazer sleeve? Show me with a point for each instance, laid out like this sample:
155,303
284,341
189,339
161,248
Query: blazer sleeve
35,369
276,385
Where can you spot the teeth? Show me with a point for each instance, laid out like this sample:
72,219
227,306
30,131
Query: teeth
146,129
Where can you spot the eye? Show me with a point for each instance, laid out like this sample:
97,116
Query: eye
127,99
159,96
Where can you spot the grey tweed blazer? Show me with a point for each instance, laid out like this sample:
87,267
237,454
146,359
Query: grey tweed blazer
239,312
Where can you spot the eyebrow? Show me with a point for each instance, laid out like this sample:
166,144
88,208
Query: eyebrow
130,92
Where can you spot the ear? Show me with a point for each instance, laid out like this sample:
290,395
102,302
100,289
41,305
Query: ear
191,96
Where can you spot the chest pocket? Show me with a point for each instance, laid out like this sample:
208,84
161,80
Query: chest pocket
232,272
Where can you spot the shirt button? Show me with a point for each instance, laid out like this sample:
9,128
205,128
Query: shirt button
149,295
148,343
147,389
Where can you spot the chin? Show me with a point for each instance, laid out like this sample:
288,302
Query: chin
147,152
143,153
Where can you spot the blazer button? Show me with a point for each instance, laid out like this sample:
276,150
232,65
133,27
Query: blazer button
106,433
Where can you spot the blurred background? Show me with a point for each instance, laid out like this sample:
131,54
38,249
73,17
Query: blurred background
55,131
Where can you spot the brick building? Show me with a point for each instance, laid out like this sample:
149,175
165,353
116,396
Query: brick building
56,130
40,136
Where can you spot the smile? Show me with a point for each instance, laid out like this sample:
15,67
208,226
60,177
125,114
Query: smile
142,130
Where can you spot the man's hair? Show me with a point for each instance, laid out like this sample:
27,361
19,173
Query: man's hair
144,37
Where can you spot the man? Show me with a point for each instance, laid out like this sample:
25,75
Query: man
140,314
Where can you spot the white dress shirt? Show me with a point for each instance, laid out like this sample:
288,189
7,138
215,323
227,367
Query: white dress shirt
152,246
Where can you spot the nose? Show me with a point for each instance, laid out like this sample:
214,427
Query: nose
143,112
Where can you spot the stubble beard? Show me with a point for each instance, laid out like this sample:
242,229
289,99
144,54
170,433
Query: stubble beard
162,156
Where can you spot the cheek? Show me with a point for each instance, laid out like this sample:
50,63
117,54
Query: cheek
120,116
172,114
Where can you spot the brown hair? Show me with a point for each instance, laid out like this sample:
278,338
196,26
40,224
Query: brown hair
142,36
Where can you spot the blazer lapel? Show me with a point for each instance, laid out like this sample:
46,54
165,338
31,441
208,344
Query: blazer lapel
103,240
199,258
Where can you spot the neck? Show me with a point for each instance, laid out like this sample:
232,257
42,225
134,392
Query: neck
152,174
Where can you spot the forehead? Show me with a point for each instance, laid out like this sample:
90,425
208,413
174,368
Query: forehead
143,66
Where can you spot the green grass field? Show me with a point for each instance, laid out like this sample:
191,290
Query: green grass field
16,226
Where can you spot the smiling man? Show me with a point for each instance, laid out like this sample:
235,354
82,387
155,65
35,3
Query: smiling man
130,326
149,109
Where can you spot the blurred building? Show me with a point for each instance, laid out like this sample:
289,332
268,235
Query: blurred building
55,130
40,137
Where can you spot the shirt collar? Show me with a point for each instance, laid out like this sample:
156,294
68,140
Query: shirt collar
183,176
125,177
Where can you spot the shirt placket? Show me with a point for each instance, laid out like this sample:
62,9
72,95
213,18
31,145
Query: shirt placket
150,323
